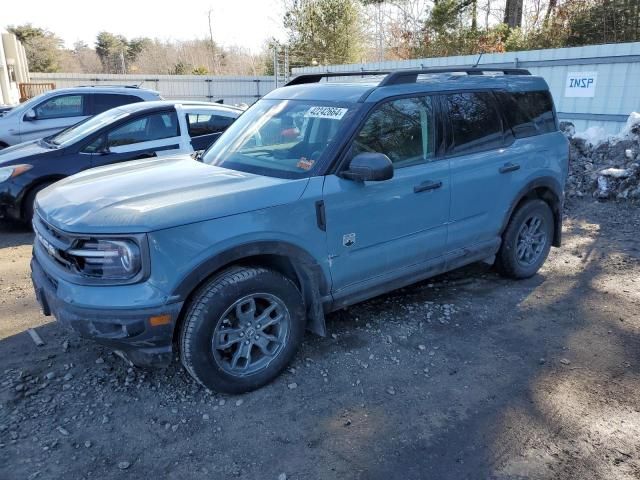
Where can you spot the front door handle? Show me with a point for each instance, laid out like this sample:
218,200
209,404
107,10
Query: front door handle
509,167
428,185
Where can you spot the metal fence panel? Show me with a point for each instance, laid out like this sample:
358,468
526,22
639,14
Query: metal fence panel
617,91
232,90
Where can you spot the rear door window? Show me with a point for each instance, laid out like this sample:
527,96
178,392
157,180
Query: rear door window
205,124
61,106
106,101
528,113
145,129
475,122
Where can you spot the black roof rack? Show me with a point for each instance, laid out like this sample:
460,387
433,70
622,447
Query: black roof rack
316,77
109,86
396,77
411,76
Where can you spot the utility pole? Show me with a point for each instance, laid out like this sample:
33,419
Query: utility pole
275,65
286,64
380,26
212,44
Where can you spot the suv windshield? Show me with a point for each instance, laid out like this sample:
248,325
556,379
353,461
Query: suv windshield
79,131
280,138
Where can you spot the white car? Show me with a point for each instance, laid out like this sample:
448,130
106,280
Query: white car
56,110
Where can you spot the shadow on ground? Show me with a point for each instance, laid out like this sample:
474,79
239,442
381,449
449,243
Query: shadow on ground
466,376
13,234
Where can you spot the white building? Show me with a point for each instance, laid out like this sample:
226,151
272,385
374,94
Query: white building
13,68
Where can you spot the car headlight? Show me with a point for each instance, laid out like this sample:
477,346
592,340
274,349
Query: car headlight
118,259
13,171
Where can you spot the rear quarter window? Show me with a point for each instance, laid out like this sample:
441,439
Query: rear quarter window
206,124
528,113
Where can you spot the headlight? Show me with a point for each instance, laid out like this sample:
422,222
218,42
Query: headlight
13,171
107,259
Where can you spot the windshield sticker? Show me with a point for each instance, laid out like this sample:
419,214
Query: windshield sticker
333,113
305,164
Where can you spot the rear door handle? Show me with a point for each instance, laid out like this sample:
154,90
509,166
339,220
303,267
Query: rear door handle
428,185
509,167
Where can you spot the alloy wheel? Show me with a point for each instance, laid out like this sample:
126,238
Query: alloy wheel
531,240
251,334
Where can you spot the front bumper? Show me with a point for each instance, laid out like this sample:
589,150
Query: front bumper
127,330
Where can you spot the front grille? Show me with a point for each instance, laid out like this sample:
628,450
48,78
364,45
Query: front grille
53,243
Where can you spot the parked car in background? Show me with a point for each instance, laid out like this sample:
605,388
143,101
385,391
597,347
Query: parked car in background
319,196
129,132
56,110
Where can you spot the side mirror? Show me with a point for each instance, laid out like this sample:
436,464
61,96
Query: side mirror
30,116
369,166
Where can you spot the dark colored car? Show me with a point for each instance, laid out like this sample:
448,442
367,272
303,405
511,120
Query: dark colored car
130,132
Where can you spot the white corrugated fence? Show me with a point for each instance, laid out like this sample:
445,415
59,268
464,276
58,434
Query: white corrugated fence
604,80
608,78
233,90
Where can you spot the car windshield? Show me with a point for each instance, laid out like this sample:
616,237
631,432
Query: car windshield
86,127
281,138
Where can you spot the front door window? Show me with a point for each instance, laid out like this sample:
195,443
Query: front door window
61,106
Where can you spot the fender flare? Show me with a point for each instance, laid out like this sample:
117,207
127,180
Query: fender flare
557,204
313,282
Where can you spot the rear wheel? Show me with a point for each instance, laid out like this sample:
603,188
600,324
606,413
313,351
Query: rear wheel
242,329
526,241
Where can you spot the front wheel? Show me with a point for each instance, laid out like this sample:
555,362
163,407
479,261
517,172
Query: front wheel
526,241
242,329
30,203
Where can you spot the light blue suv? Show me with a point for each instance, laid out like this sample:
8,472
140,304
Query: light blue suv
321,195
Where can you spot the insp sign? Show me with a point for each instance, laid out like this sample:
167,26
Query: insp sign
581,84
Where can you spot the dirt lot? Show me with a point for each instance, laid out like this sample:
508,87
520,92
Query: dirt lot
464,376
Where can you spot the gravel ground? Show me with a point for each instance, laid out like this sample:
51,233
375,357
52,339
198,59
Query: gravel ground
467,375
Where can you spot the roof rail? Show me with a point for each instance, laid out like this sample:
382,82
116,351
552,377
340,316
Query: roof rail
109,86
411,76
395,77
316,77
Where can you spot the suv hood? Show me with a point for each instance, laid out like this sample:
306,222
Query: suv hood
147,195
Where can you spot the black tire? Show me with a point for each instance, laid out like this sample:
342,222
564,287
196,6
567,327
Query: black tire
29,203
509,260
214,311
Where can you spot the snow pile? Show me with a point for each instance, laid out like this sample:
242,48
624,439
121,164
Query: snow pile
592,136
605,166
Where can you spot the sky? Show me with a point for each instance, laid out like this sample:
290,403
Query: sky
247,23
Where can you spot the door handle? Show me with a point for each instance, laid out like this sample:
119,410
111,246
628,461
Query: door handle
509,167
428,185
